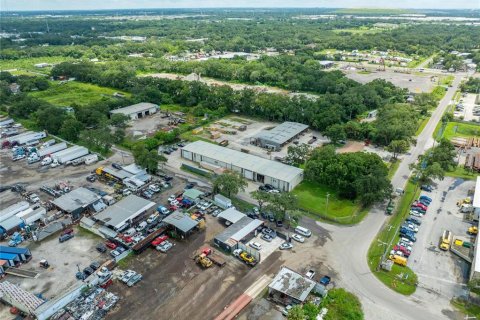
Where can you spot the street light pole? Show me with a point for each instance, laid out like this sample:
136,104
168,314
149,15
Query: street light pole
326,205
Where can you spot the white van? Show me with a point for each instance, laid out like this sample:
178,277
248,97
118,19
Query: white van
303,231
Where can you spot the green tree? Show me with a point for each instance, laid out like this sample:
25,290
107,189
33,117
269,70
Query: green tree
336,133
296,313
426,173
148,159
71,129
311,311
262,198
50,118
397,147
281,203
229,183
298,155
119,120
342,304
97,139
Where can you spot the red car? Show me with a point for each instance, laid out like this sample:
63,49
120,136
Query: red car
404,250
110,245
67,231
179,199
159,240
173,208
420,205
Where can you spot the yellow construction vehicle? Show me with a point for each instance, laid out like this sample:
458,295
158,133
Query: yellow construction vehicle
247,257
203,260
472,230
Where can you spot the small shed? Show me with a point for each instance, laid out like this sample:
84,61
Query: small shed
192,194
290,287
181,222
231,215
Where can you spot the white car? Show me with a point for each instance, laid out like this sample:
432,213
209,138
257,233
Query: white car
154,188
416,213
406,246
411,226
286,246
298,238
164,246
407,241
206,206
216,212
255,245
127,275
286,310
153,218
174,202
171,198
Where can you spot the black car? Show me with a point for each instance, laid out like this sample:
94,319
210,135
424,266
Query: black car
174,148
271,218
167,178
279,223
91,178
167,151
426,187
269,187
263,188
95,265
101,248
88,271
80,276
117,166
189,186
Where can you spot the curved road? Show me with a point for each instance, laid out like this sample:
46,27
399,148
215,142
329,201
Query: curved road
349,246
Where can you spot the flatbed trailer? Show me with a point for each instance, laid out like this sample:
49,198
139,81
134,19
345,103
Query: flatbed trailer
21,273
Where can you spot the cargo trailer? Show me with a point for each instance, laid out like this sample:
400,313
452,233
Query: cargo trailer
52,149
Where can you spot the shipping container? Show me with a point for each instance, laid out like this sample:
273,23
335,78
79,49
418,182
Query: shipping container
74,154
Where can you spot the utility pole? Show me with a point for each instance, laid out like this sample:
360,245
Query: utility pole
326,205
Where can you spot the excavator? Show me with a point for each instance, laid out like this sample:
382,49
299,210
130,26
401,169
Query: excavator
203,260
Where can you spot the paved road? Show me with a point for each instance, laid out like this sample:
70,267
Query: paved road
349,246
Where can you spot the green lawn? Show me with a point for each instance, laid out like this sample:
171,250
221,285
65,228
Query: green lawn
312,197
447,80
400,279
75,92
342,304
459,129
439,92
393,166
28,63
466,308
460,172
423,123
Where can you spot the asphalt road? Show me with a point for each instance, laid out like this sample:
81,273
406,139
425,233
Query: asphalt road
349,246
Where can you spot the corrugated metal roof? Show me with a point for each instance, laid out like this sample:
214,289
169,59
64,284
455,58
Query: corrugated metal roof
292,284
239,230
13,209
247,161
232,215
120,174
119,213
24,300
15,250
192,193
282,133
139,107
75,199
11,223
181,221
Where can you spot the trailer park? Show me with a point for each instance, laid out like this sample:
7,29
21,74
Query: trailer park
111,232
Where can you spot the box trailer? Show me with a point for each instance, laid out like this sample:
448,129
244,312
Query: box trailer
91,158
33,136
74,154
18,136
52,149
13,210
222,202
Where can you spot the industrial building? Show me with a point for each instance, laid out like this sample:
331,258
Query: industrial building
231,215
138,110
279,175
475,269
243,230
76,202
289,287
279,136
118,215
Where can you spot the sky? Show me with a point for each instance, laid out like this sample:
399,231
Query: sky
26,5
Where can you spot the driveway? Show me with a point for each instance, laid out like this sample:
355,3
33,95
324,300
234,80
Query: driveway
379,302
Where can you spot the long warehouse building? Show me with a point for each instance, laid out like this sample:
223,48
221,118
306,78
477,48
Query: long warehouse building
279,175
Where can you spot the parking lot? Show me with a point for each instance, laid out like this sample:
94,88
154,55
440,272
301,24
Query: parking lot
441,272
467,109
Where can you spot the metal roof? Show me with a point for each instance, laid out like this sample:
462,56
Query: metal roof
24,300
192,193
135,108
11,223
75,199
232,215
128,208
15,250
282,133
247,161
181,221
292,284
239,230
120,174
14,209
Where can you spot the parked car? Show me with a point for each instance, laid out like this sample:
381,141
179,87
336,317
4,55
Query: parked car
279,223
154,188
310,274
298,238
158,240
286,310
88,271
267,231
286,246
80,275
189,186
141,226
325,280
95,265
426,187
117,166
110,245
416,213
255,245
127,275
153,217
147,194
164,246
216,213
267,237
91,178
65,237
133,280
101,248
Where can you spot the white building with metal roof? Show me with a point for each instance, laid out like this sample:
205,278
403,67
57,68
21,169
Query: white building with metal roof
119,214
277,137
76,201
279,175
138,110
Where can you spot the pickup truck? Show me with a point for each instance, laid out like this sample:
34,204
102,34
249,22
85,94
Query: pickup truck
310,274
325,280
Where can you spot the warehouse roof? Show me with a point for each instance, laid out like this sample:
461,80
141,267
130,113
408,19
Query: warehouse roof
476,195
292,284
26,301
240,229
75,199
260,165
120,174
126,209
282,133
139,107
11,223
232,215
15,250
181,221
14,208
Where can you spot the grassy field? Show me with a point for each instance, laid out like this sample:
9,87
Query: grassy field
393,166
460,172
439,92
342,304
423,123
400,279
27,64
446,80
459,129
75,92
466,308
312,198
